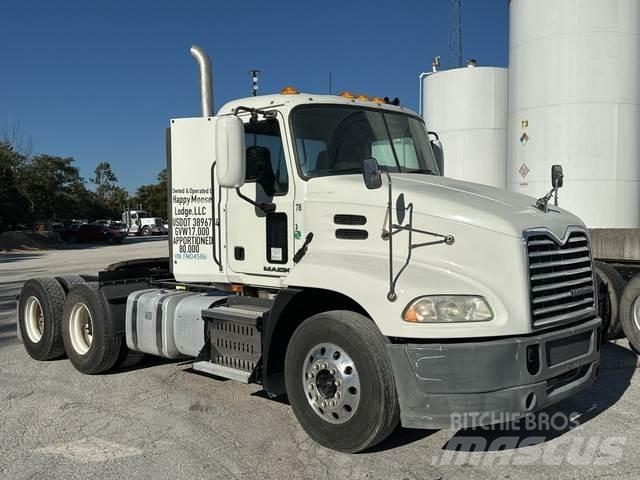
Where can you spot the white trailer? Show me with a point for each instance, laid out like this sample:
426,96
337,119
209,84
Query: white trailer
316,251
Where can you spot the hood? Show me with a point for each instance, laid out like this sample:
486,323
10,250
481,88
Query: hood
448,199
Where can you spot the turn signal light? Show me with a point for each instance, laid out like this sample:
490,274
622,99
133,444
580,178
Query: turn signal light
289,90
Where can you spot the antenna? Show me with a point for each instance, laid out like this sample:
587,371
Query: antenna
454,59
254,72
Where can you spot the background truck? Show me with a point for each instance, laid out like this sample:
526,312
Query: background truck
617,251
315,250
140,222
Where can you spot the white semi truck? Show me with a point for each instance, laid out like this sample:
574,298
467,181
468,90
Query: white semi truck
315,250
140,222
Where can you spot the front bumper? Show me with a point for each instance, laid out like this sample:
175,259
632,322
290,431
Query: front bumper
477,383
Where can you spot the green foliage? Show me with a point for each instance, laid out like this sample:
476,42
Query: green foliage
53,187
111,198
153,197
13,204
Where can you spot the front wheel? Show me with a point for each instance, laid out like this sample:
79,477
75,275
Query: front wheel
146,232
340,382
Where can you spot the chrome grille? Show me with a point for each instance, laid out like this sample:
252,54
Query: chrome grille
561,278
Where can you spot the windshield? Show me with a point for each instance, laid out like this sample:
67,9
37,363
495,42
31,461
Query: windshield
334,140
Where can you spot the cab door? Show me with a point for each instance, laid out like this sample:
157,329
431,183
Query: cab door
260,242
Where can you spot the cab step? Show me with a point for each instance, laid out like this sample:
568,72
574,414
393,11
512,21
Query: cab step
222,371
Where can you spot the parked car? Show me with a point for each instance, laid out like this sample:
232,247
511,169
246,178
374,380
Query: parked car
94,232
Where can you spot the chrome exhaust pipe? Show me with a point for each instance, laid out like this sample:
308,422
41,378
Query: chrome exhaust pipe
206,88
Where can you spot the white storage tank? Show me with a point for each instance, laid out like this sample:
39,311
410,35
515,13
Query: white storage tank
467,107
574,100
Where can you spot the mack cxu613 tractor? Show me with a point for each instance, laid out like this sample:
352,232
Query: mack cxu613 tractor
316,250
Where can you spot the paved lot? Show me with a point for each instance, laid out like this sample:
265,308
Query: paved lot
163,421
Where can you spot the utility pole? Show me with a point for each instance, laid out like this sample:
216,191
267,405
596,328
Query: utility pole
454,57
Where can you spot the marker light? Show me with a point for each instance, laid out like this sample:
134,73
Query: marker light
448,309
377,99
289,90
363,97
347,95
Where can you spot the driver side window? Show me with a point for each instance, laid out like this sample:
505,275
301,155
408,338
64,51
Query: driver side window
266,164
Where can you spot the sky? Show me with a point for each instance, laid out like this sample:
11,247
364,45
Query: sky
99,80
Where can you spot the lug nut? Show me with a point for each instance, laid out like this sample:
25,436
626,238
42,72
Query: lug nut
332,371
324,404
338,395
333,404
315,397
316,367
338,383
311,386
325,365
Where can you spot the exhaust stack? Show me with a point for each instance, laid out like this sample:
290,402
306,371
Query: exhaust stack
206,88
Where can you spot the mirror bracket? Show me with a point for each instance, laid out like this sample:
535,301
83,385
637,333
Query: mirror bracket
557,180
265,207
267,114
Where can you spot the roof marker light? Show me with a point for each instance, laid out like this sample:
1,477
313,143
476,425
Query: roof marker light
289,90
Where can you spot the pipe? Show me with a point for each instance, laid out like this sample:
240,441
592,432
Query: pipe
206,88
421,80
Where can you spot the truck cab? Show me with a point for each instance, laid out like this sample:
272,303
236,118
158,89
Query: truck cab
478,291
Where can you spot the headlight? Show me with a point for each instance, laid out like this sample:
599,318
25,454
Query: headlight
448,309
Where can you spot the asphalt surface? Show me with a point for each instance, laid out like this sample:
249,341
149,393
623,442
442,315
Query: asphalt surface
162,420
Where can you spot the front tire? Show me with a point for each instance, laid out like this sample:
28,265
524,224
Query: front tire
40,318
340,382
146,232
88,335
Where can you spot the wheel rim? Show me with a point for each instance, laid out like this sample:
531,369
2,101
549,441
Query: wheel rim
34,319
80,328
636,312
331,383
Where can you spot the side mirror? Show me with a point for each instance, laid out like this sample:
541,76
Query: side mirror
556,176
438,153
401,209
230,151
371,173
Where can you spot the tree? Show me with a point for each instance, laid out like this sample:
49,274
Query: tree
13,204
53,187
153,197
110,197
